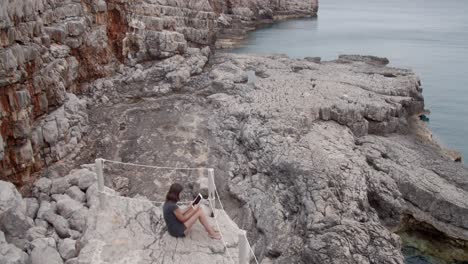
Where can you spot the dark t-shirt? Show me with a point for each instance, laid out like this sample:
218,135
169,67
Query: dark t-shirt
174,226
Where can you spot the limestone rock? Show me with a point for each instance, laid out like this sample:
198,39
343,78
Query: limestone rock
75,193
36,232
9,196
9,254
67,248
45,255
59,223
67,207
77,220
32,206
83,178
262,115
43,243
43,185
59,186
15,224
44,207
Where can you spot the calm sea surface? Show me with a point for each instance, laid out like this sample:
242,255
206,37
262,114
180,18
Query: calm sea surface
427,36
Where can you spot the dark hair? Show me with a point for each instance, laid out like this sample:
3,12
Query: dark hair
173,193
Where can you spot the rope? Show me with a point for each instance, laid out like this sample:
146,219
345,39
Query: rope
153,167
221,234
143,200
232,224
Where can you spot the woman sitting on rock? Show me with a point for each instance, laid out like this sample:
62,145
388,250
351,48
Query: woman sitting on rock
179,221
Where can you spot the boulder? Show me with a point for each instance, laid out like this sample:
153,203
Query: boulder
43,242
77,220
67,207
59,186
36,232
32,206
9,254
9,196
45,207
83,178
67,248
59,223
15,224
41,223
60,197
43,255
72,261
75,193
43,185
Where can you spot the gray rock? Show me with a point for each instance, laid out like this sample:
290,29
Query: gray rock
44,207
9,254
75,193
75,235
59,186
43,185
15,224
9,196
92,197
83,178
32,206
67,248
50,132
72,261
41,223
78,218
47,255
43,243
60,197
36,232
67,207
59,223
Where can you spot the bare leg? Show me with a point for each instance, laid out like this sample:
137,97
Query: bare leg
200,215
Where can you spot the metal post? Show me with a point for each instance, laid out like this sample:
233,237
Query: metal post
100,179
211,189
244,253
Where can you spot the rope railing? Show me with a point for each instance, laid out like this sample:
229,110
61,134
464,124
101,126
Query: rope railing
221,234
232,224
155,167
213,195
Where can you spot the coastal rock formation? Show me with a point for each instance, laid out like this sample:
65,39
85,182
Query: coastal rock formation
50,48
65,230
317,160
320,161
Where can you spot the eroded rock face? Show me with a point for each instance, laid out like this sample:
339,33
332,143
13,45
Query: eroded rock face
49,48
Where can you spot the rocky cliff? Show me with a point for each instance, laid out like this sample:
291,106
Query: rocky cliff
52,47
322,162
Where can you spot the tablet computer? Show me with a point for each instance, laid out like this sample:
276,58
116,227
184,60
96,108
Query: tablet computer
197,200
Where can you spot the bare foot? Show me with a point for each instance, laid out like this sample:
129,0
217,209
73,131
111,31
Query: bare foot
215,235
